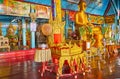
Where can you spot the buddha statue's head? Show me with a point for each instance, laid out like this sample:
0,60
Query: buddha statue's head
10,30
82,5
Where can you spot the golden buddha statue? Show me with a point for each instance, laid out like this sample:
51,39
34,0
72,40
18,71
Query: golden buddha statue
98,37
81,17
82,23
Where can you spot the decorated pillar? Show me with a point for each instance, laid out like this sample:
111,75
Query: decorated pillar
33,40
53,10
66,24
33,29
33,26
73,26
24,32
19,33
58,10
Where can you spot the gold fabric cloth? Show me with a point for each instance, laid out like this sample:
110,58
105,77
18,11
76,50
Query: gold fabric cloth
42,55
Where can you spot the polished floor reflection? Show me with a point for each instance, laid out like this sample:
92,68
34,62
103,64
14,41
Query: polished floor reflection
32,70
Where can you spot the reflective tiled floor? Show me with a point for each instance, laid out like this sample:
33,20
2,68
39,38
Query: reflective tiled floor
32,70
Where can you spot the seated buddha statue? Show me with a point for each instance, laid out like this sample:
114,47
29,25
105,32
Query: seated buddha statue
98,37
81,17
81,20
91,33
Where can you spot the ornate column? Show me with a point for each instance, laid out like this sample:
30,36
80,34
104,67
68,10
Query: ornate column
73,26
19,33
33,26
23,32
66,24
32,39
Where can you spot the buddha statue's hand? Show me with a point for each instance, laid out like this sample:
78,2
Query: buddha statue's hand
84,25
91,25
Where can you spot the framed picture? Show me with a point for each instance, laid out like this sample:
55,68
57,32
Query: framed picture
43,11
3,8
18,8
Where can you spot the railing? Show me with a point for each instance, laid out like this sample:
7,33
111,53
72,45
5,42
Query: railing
10,58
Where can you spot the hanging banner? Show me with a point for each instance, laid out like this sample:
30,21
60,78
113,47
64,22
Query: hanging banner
33,26
18,8
43,11
110,19
57,36
72,15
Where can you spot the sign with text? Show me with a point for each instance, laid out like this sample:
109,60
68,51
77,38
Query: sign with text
33,26
72,15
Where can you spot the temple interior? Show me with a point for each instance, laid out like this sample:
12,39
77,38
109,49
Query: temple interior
59,39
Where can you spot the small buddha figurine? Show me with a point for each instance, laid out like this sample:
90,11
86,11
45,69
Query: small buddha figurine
13,38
